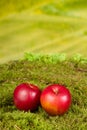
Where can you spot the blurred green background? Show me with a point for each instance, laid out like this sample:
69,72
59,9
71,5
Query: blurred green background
42,26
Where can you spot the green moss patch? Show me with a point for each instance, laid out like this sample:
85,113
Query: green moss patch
70,73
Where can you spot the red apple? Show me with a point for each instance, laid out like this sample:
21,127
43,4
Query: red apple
26,97
55,99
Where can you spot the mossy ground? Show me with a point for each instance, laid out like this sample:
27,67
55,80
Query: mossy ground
71,74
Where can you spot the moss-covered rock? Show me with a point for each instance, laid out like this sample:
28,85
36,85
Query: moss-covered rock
71,74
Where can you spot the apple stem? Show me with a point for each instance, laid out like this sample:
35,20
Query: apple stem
55,91
30,86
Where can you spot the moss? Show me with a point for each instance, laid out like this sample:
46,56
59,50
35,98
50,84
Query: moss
70,73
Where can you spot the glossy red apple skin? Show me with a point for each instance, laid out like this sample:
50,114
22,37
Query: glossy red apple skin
26,97
55,99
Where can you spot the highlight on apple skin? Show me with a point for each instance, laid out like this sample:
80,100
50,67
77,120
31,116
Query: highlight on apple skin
55,99
26,97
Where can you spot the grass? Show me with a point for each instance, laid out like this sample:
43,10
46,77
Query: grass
42,26
12,6
43,71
